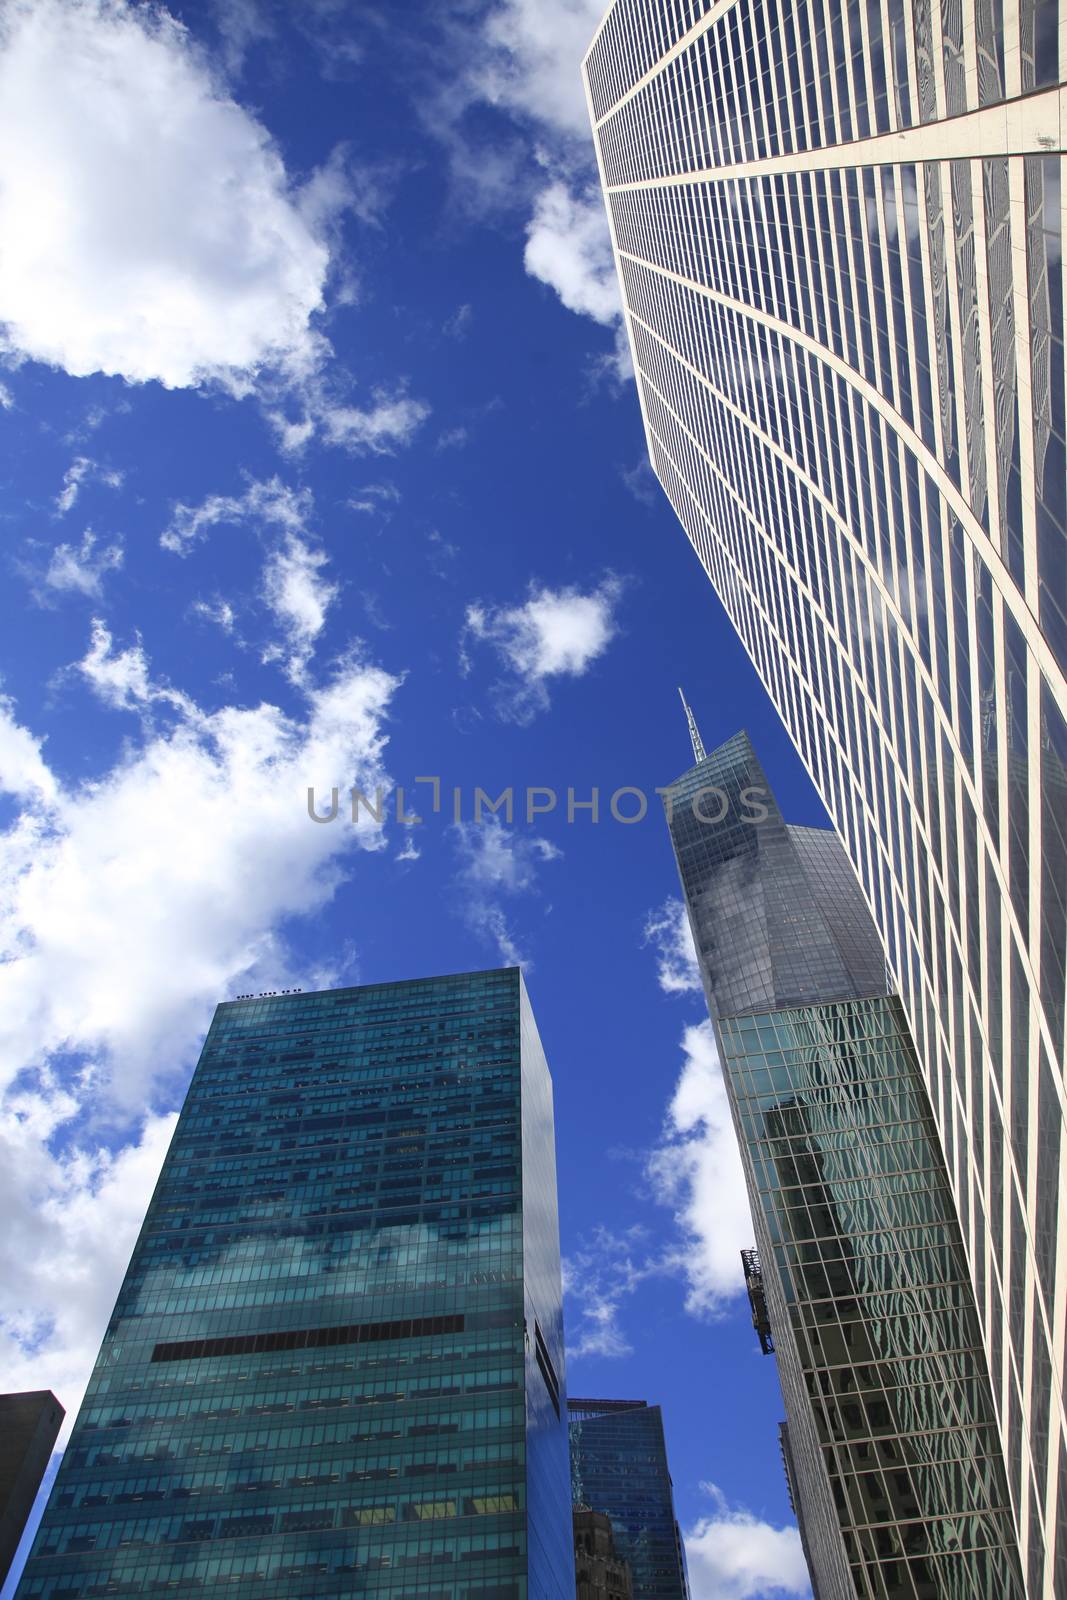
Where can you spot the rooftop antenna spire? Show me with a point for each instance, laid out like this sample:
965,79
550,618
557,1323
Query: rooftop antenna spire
694,731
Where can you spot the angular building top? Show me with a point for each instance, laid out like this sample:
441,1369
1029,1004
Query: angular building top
778,916
29,1427
859,1280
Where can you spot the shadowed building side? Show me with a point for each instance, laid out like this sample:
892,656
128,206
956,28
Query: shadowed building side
894,1455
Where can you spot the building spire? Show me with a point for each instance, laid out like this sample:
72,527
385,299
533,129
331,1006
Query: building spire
694,731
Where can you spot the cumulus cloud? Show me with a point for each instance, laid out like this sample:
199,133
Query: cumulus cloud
568,247
81,569
531,66
696,1169
495,863
128,906
554,633
150,229
667,930
533,60
71,1222
733,1555
23,770
131,903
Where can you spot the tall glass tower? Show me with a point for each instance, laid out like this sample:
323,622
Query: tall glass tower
335,1366
838,231
893,1453
619,1467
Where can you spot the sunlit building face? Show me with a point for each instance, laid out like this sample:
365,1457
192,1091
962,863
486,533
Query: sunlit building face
838,234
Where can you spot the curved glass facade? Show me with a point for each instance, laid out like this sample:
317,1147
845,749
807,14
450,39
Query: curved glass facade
335,1366
838,233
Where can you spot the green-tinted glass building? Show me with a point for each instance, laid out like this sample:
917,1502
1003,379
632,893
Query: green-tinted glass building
335,1366
894,1456
619,1467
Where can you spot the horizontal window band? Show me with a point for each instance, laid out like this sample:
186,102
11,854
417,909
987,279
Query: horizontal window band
307,1338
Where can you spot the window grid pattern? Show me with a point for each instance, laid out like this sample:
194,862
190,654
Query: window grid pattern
316,1379
851,370
853,1212
619,1467
871,1309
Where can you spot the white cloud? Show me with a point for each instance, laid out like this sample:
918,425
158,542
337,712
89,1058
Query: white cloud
266,501
128,906
23,770
293,589
530,65
568,247
697,1170
733,1555
495,862
597,1277
391,421
452,439
7,399
81,468
150,229
373,498
121,681
667,930
70,1225
131,903
299,597
554,633
81,569
533,64
218,611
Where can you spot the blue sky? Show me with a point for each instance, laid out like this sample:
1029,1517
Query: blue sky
322,466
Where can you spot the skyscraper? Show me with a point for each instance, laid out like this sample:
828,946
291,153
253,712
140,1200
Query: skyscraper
619,1467
893,1454
838,234
336,1365
29,1427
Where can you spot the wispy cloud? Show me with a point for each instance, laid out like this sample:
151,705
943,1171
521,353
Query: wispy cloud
266,501
81,469
606,1269
554,633
373,498
497,863
81,569
667,930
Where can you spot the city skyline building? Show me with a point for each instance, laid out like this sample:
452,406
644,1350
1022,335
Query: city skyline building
838,236
29,1427
859,1283
336,1364
600,1573
619,1467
